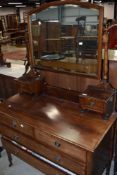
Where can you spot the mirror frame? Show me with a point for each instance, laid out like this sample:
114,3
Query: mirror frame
100,32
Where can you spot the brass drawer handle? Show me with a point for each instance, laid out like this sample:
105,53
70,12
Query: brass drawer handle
57,144
16,138
14,124
16,152
92,103
58,158
21,125
9,106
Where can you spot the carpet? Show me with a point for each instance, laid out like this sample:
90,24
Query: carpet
15,55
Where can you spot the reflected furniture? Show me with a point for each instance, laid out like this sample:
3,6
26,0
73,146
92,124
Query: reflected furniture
44,123
18,37
69,41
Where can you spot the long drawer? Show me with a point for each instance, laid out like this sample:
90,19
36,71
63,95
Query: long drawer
32,160
44,138
16,124
92,104
55,156
61,145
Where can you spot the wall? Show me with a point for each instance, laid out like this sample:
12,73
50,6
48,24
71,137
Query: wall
22,10
6,11
109,10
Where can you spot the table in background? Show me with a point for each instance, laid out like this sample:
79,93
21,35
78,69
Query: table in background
2,60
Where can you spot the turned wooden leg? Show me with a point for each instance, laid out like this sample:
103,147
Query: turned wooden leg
108,168
115,166
9,158
115,159
1,149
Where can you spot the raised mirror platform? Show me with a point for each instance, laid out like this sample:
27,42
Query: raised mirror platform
66,36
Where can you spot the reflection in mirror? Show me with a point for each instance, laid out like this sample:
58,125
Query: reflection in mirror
65,38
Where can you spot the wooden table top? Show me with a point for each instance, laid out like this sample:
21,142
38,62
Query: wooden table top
60,118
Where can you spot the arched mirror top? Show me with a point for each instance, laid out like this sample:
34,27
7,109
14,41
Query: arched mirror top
66,36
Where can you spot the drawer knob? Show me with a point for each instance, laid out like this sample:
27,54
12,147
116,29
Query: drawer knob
9,106
21,125
14,124
57,144
16,152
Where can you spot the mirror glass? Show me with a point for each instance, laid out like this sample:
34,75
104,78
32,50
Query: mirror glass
65,38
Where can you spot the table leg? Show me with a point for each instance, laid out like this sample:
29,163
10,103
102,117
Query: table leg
1,56
2,61
1,149
115,159
9,158
108,168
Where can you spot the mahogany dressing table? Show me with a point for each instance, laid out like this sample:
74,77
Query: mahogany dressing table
44,123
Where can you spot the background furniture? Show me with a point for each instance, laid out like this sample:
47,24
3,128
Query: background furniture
113,36
12,21
2,60
8,88
11,27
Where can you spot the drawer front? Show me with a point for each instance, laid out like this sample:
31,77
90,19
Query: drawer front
27,88
61,145
91,103
32,160
34,86
54,156
16,124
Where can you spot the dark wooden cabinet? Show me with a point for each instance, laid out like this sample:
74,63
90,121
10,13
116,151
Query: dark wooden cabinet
12,21
8,86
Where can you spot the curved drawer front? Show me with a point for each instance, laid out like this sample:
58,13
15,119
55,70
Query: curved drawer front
16,124
55,156
92,103
61,145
